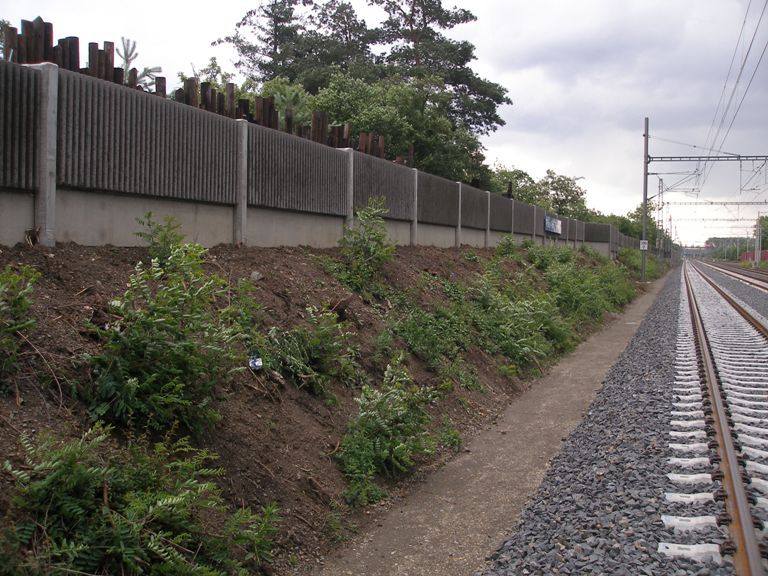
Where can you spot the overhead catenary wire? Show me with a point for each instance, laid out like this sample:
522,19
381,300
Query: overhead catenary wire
707,169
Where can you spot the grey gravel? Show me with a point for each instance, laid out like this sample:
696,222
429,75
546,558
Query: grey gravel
598,509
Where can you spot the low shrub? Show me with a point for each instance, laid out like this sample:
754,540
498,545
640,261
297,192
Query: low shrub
577,292
544,256
631,259
506,247
387,435
433,336
83,507
15,300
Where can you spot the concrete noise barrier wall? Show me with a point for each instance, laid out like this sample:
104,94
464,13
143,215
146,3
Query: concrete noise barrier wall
82,158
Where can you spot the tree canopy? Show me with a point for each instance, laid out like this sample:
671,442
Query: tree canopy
404,79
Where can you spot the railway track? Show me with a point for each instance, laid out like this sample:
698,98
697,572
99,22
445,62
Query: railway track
719,431
755,278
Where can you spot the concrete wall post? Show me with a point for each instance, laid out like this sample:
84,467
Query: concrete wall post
458,224
45,198
349,219
415,220
488,219
240,228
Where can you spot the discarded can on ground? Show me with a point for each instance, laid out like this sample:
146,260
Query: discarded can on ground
255,362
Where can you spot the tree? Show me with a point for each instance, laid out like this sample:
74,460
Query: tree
146,77
763,222
4,25
336,40
266,40
292,97
419,48
566,197
520,184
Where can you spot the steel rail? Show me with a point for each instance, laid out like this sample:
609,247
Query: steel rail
747,559
756,280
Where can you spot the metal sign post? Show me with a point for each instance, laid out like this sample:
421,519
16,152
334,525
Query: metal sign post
644,239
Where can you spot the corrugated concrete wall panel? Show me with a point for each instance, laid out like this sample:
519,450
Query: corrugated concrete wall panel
594,232
19,125
473,237
378,177
524,219
474,207
501,213
438,200
114,139
538,221
291,173
398,231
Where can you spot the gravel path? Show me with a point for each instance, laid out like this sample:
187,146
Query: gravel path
599,508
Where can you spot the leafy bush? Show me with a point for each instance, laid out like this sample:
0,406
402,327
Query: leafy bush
311,356
161,238
516,321
631,258
15,300
365,247
544,256
506,247
82,508
577,292
386,436
166,349
456,370
616,285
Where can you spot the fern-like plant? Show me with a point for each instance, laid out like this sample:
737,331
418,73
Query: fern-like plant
387,435
365,247
167,347
311,356
87,507
15,300
161,237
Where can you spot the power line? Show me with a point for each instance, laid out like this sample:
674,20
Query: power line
727,77
733,94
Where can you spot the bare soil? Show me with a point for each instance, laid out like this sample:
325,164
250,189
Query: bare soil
275,442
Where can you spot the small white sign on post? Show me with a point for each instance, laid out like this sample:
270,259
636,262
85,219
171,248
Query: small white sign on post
644,245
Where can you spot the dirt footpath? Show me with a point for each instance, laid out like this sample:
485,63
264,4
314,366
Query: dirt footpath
451,523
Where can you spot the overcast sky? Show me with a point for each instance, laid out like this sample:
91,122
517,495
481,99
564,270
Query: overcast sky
582,74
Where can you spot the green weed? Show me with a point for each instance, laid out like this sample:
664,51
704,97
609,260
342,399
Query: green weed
449,436
365,247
